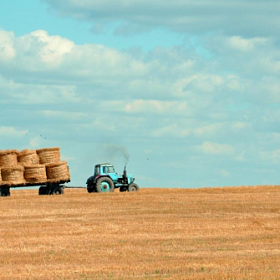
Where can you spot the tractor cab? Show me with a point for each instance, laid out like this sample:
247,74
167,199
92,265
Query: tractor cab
106,169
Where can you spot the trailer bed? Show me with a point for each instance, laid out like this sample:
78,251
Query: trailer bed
45,188
59,182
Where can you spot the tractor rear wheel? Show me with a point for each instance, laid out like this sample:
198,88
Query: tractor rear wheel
133,188
90,189
105,184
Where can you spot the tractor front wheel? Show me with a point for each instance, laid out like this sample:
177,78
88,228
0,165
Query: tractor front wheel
133,188
105,184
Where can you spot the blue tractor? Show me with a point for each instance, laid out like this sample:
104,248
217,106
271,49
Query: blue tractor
105,179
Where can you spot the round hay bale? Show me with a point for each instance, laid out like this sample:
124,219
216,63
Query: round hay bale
28,157
58,172
49,155
0,177
8,158
35,174
12,175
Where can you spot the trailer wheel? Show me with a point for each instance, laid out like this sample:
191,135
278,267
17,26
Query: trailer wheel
58,190
105,184
42,191
5,192
133,188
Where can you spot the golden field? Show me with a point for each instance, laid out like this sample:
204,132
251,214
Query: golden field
211,233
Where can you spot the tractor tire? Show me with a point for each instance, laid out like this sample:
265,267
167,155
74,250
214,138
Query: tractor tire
90,189
105,184
58,190
133,188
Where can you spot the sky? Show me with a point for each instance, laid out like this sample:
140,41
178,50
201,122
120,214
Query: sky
187,90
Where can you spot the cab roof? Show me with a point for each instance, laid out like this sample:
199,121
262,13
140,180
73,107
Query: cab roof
102,164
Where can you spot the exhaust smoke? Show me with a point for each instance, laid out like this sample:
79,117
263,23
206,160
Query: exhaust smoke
114,152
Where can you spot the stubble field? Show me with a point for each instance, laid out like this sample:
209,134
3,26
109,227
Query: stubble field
217,233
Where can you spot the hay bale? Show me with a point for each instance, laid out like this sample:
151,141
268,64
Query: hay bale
49,155
8,158
0,177
13,175
28,157
35,174
58,172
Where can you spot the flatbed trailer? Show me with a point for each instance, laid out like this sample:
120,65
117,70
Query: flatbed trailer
45,188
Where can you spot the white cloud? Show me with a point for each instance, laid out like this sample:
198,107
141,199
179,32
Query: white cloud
7,50
156,106
242,44
53,48
224,173
208,130
35,142
239,126
217,149
171,131
64,115
8,131
57,67
271,156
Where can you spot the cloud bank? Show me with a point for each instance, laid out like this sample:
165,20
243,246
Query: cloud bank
171,103
247,18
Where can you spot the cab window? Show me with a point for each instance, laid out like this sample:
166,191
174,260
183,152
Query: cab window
108,169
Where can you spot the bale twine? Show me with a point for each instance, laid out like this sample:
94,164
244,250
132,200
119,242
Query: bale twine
12,175
28,157
58,172
35,174
8,158
49,155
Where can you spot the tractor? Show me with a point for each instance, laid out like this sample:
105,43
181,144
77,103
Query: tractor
105,179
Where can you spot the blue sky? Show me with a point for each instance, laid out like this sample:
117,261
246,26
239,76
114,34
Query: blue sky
189,90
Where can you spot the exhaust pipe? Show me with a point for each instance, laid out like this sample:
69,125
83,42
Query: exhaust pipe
124,172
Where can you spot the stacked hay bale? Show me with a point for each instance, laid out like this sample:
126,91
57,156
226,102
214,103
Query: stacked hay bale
32,167
11,171
13,175
34,173
8,158
28,157
56,170
49,155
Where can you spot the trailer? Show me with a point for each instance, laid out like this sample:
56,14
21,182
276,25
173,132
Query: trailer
41,168
45,188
